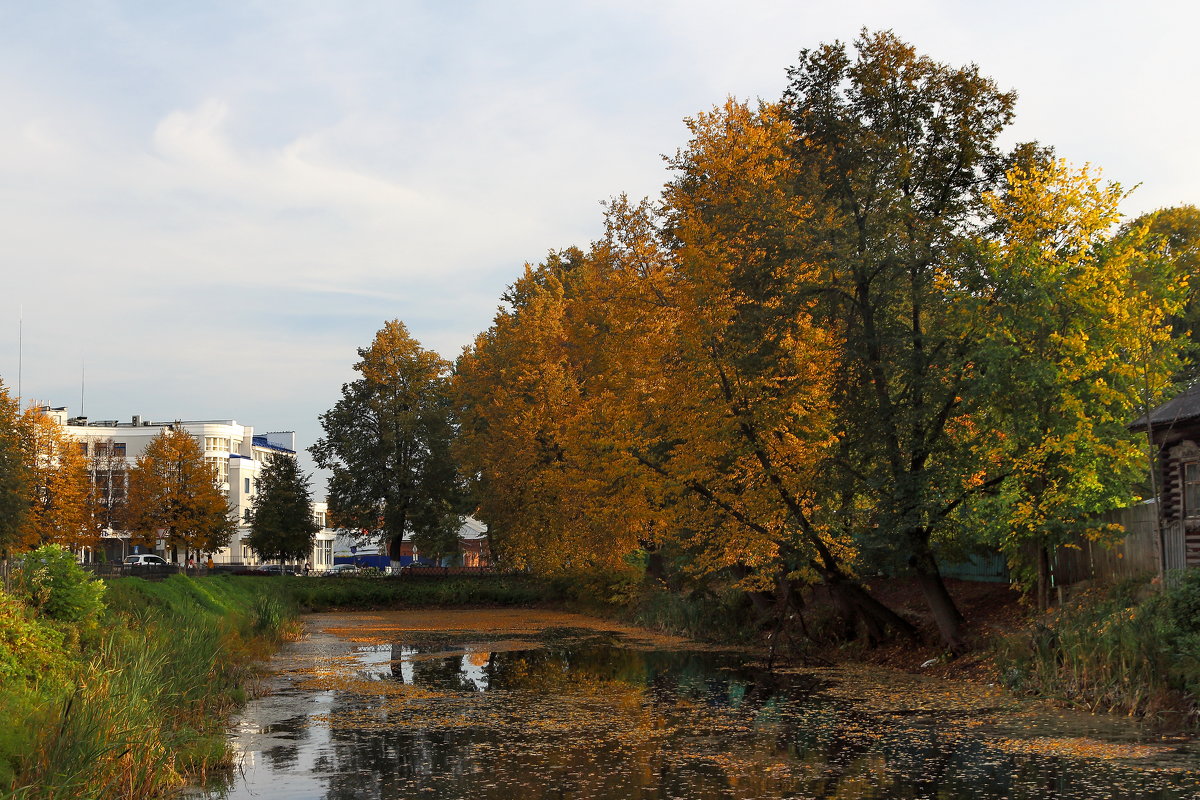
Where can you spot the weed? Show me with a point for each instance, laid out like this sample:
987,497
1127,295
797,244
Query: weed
1117,649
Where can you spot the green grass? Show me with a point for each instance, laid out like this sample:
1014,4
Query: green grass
139,704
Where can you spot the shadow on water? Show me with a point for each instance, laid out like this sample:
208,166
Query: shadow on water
581,714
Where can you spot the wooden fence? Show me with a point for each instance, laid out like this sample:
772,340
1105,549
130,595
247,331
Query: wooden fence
1134,555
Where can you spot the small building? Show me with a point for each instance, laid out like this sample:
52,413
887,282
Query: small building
1174,429
366,549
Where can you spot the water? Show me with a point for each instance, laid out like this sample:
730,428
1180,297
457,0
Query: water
531,705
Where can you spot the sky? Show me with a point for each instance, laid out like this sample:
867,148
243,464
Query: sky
206,208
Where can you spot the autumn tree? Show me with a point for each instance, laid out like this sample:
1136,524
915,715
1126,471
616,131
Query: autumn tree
668,388
14,474
895,151
282,525
387,443
59,508
747,414
173,495
1076,331
109,472
852,337
512,390
1172,236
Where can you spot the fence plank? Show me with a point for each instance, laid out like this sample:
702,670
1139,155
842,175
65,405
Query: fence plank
1134,555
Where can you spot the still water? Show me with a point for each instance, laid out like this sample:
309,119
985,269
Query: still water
533,704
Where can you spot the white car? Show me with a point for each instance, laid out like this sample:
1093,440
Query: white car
145,561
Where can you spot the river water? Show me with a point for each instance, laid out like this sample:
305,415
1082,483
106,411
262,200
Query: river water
487,704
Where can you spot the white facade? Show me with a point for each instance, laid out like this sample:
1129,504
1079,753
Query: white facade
235,452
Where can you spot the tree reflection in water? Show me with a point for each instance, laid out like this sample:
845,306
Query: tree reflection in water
573,713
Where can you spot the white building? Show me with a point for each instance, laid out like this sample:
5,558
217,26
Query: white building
236,453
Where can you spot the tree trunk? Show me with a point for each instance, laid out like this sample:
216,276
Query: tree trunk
945,613
853,600
1043,577
941,605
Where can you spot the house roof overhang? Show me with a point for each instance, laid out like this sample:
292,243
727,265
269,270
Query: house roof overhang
1183,408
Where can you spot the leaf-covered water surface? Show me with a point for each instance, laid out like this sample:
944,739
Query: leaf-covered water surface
535,704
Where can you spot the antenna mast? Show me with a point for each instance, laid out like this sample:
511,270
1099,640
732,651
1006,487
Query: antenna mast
20,352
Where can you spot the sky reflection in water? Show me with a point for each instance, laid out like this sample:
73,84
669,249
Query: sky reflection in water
579,713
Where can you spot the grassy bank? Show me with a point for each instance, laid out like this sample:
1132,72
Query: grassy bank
127,696
324,594
1127,649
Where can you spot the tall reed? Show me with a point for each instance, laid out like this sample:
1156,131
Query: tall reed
1121,649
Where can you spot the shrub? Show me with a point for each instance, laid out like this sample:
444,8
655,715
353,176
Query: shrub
55,586
1115,649
28,650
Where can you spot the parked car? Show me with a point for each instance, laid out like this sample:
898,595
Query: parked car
341,569
144,560
276,569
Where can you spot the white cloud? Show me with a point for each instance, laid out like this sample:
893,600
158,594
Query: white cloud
240,195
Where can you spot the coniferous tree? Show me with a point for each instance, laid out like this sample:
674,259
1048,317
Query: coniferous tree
282,525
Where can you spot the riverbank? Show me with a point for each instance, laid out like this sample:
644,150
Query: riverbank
127,696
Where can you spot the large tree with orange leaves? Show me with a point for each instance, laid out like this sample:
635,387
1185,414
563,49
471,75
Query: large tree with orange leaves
59,507
173,496
814,358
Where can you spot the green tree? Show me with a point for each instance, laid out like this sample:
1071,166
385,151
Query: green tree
1173,235
387,443
1076,333
282,525
894,151
15,480
173,495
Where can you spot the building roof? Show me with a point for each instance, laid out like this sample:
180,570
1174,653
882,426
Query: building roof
266,444
472,528
1183,407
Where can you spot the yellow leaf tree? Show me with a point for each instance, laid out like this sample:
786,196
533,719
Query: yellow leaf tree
173,496
1078,342
59,511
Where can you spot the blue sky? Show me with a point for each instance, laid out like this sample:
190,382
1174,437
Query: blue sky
213,205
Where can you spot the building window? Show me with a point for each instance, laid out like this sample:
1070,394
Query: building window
220,467
217,444
83,448
324,553
101,450
247,489
246,516
119,449
1191,488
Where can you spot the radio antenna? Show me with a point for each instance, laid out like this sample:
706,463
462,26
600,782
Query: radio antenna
20,351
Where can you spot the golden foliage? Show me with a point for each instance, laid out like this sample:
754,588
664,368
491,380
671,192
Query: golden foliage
173,495
59,510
